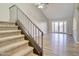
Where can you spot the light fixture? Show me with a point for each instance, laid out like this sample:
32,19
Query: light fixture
41,5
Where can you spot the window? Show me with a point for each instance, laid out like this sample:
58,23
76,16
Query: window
59,26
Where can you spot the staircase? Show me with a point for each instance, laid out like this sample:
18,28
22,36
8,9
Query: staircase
12,42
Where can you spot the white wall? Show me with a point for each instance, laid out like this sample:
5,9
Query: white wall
4,12
35,15
30,10
53,11
58,12
76,24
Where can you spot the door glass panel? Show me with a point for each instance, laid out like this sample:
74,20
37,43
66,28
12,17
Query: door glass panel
53,26
65,28
61,25
56,27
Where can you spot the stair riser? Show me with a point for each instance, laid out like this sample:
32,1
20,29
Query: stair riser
11,47
13,42
10,52
9,28
10,41
29,54
24,53
7,24
9,34
15,47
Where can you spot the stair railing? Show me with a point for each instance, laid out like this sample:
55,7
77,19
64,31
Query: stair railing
30,28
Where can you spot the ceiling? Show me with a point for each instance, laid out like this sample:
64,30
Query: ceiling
58,10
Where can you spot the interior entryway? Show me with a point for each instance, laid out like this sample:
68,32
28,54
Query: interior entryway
59,26
39,31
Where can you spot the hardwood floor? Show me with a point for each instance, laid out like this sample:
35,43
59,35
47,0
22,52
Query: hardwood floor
60,45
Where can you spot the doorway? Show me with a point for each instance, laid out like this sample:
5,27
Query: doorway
59,26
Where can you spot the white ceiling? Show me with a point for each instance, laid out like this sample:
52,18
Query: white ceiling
58,10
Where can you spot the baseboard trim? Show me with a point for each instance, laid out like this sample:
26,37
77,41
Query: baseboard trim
77,42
